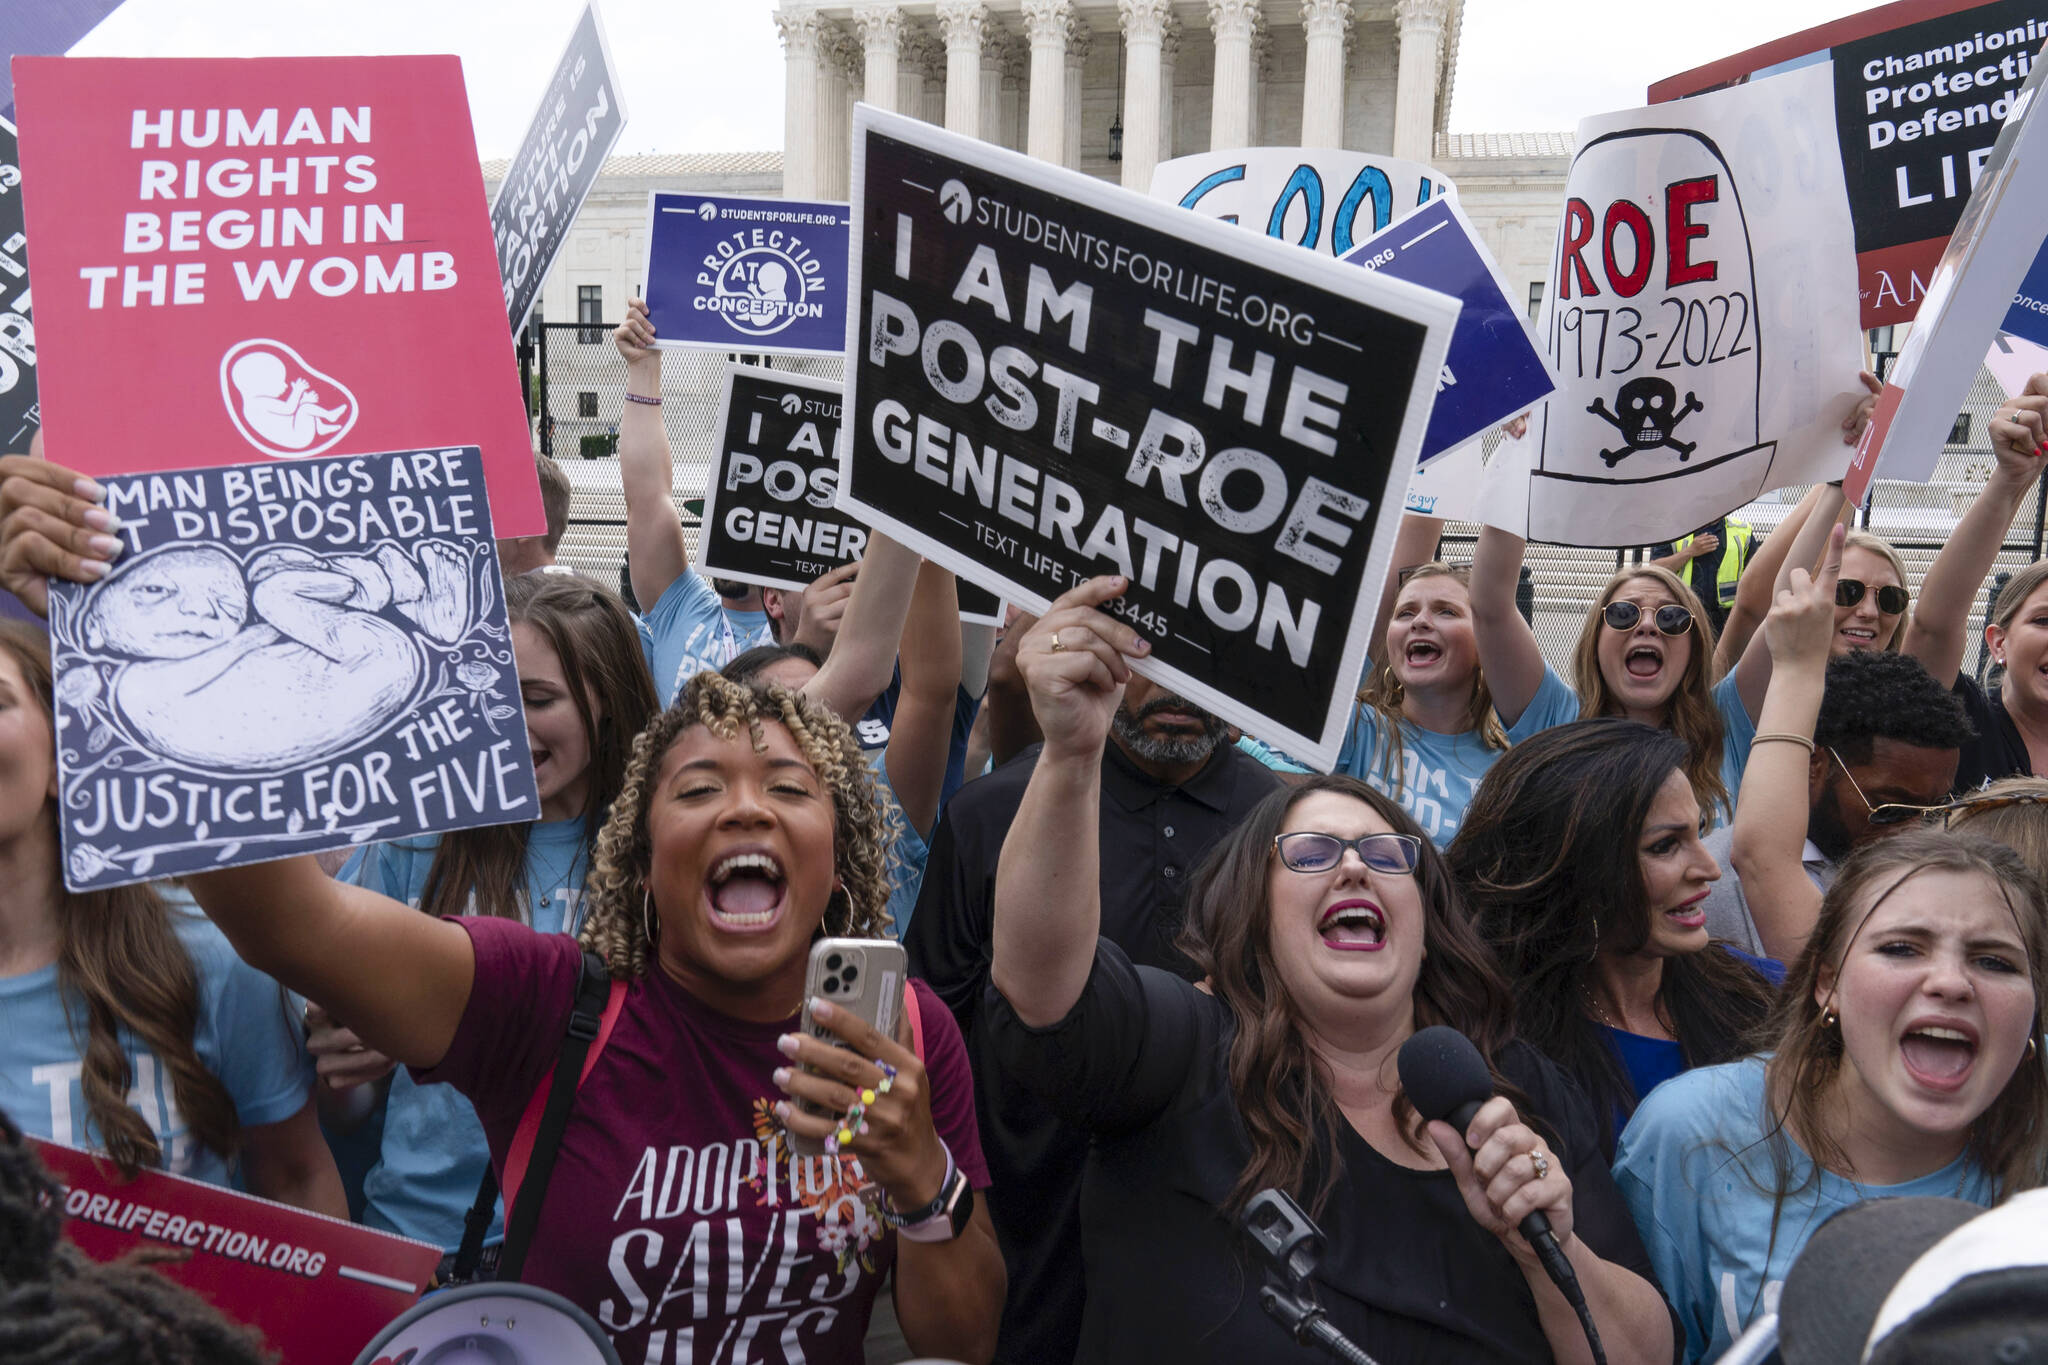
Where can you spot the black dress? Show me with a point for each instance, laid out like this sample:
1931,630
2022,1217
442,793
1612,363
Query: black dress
1407,1274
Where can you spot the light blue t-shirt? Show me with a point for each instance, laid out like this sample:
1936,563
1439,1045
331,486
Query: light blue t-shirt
1737,732
434,1150
907,856
246,1036
1697,1172
689,631
1440,772
1271,757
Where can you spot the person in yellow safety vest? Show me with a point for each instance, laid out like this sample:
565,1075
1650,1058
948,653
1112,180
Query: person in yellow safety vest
1711,560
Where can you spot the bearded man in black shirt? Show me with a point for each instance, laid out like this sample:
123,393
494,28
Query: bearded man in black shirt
1172,786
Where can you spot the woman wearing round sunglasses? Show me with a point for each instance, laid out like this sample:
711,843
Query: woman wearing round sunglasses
1329,931
1582,862
2011,718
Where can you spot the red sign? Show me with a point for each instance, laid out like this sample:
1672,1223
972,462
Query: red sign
290,256
317,1288
1921,88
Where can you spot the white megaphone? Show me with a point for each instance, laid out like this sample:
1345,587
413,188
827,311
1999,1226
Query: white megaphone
491,1324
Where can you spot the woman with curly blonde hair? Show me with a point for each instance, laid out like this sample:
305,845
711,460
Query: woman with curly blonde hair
746,827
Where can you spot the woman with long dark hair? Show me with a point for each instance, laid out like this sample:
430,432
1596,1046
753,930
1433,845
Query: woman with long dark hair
1902,1062
1581,861
128,1025
586,691
1329,931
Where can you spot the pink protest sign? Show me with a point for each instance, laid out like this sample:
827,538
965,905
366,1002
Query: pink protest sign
284,257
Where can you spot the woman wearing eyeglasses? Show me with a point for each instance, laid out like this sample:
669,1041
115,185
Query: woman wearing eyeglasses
2012,717
1329,931
1582,863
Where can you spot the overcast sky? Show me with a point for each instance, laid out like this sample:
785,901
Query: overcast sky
706,75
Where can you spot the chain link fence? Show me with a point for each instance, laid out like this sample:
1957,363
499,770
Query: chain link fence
576,384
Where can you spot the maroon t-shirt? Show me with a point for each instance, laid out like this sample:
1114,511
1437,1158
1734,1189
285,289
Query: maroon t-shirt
676,1214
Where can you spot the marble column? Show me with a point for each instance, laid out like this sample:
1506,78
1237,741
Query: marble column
1230,109
990,124
1262,76
1016,92
1169,58
910,71
961,22
840,60
881,32
1079,42
1144,23
1046,24
1327,25
1420,26
801,30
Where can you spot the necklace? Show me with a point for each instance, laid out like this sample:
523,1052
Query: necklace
1600,1014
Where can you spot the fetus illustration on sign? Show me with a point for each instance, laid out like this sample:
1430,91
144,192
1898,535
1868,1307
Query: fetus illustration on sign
270,662
1655,333
279,403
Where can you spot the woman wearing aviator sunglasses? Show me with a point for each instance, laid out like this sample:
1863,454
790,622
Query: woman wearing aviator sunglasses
1329,931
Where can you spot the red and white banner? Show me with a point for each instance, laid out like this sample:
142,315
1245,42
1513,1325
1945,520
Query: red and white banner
286,256
317,1288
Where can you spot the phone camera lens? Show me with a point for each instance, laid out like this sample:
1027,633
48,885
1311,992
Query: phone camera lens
850,973
834,962
831,985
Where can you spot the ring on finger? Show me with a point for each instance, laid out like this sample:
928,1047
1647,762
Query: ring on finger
855,1123
1541,1162
1056,645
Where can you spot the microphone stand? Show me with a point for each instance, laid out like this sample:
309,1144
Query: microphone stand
1289,1245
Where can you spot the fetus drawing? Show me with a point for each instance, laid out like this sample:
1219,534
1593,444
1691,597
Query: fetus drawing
279,403
279,661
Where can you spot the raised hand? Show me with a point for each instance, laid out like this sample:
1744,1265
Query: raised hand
635,336
898,1145
2019,431
1075,666
1506,1172
52,525
1801,625
1859,416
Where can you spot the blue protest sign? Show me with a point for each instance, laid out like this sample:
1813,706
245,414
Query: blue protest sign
1495,369
2028,316
731,273
287,657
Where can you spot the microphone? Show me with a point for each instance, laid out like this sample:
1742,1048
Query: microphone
1446,1078
1290,1244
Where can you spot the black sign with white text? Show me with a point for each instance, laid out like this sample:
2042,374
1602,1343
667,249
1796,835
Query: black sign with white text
580,117
768,505
19,414
1051,378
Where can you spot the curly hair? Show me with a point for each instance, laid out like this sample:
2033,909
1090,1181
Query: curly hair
1690,713
1872,694
864,826
1384,694
58,1306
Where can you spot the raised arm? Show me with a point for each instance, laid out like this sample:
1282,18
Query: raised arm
921,735
1753,591
1769,835
1941,618
1508,652
1006,710
1048,881
1753,667
863,657
654,534
1414,543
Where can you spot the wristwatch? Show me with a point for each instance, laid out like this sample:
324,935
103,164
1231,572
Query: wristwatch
942,1220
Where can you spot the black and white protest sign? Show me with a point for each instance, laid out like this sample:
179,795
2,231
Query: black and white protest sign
286,658
769,514
19,414
1969,295
1701,316
579,119
1050,378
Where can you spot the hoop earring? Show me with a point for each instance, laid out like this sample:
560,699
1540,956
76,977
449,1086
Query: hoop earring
1596,942
2030,1047
647,913
1828,1018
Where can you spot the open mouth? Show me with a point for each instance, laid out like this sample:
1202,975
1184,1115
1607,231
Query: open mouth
746,891
1353,927
1859,637
1691,915
1939,1056
1643,661
1422,653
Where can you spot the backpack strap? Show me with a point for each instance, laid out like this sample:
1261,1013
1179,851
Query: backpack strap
531,1158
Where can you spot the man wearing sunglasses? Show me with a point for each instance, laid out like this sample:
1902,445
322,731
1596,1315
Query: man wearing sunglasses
1884,748
1711,561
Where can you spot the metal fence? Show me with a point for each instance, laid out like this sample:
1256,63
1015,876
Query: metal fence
576,383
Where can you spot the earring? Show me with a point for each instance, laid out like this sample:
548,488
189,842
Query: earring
2030,1047
1596,942
647,912
1827,1018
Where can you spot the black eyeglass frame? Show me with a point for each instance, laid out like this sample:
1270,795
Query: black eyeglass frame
1411,846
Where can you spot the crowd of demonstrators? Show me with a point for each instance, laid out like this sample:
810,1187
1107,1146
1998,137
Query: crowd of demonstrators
1736,932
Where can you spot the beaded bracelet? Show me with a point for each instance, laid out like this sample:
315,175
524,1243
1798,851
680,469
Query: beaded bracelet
654,402
855,1123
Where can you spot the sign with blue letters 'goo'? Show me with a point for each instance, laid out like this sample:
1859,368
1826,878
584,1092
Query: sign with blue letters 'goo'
286,658
756,276
1495,368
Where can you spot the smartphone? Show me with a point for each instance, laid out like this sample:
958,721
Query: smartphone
861,975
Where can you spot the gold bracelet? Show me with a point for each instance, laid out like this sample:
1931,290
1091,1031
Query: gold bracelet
1784,736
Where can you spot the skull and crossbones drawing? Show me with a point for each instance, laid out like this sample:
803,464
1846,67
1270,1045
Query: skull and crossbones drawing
1647,418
